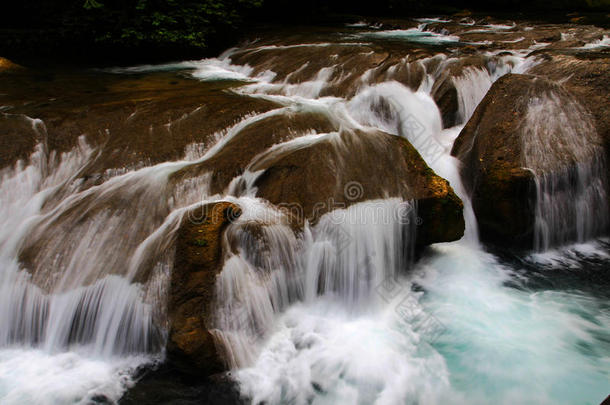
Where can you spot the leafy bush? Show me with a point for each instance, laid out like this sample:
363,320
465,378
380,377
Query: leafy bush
167,22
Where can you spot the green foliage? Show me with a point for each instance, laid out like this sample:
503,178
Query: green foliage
200,242
90,4
598,3
147,30
162,22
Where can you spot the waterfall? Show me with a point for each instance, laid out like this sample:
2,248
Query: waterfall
84,273
338,314
284,302
571,200
76,289
340,310
105,317
345,256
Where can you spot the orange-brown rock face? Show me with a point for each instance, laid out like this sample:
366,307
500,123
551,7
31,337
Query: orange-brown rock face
198,261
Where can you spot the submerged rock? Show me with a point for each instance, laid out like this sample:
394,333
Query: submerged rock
528,132
198,260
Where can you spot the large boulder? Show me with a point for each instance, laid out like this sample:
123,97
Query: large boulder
520,130
198,260
586,74
337,170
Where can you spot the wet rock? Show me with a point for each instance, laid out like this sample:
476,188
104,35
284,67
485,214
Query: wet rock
235,156
134,120
298,62
406,70
445,93
198,260
339,67
100,399
586,74
8,66
167,385
492,148
338,170
18,137
446,97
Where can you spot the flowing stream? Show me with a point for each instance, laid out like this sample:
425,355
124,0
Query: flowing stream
344,314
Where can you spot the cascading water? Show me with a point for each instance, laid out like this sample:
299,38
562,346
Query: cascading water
86,302
319,348
104,320
571,201
339,313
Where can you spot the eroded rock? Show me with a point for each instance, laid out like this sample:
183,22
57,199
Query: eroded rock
198,261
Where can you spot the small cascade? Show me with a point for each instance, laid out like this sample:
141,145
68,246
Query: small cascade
75,288
398,110
258,279
65,320
474,83
471,87
571,200
85,263
83,270
344,257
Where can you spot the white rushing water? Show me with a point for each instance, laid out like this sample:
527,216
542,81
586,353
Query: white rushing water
75,328
418,35
342,314
331,320
458,328
571,200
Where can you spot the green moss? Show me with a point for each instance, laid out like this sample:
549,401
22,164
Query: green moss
200,242
429,172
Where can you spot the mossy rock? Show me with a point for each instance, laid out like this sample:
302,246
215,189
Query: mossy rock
198,260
